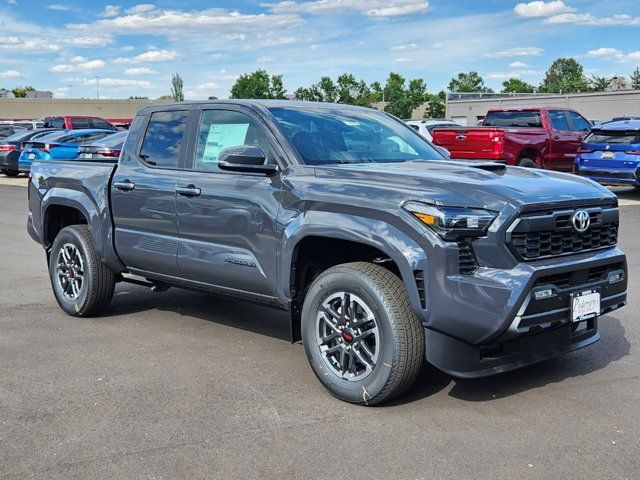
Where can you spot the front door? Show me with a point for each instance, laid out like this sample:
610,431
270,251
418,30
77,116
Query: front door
564,142
143,194
227,220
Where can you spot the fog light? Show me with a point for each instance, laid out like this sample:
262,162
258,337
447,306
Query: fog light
542,294
616,277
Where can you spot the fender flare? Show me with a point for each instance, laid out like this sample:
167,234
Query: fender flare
408,255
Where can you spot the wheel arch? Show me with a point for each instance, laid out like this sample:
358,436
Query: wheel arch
341,238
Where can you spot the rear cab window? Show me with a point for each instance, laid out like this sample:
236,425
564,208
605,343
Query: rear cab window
613,138
163,139
515,119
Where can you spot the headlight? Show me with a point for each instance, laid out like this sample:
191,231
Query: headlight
452,222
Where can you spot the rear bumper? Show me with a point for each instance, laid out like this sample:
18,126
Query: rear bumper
610,177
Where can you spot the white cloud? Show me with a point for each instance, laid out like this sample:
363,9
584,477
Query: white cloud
207,86
265,59
110,11
10,74
517,64
404,48
593,20
88,41
512,74
542,9
517,52
152,56
604,52
374,8
402,60
108,82
140,8
81,64
139,71
20,45
57,6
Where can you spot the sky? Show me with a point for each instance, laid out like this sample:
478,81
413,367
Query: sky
135,47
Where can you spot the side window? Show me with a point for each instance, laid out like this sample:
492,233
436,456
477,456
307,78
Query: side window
78,123
558,120
578,123
163,138
101,124
220,129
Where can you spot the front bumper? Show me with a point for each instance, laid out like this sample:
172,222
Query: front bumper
539,326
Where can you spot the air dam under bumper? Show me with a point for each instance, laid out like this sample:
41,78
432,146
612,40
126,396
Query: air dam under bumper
541,328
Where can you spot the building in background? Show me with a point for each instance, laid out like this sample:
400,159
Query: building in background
469,109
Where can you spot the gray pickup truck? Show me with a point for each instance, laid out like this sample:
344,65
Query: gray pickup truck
382,250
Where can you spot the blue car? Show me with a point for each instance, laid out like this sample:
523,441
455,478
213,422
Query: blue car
610,154
58,145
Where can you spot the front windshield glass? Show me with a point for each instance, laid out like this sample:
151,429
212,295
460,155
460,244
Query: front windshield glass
334,135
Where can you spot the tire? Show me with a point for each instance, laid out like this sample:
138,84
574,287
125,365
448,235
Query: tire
527,162
398,343
11,173
94,282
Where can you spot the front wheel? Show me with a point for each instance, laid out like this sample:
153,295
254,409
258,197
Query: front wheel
10,173
362,339
527,162
82,284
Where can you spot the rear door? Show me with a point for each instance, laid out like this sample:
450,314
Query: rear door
143,193
227,220
564,143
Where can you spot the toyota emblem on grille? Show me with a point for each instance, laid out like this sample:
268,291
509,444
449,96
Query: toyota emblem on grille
581,220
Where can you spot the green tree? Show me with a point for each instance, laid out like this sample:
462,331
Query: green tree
600,83
470,82
21,92
565,75
352,91
403,100
177,93
377,92
437,105
515,85
635,79
258,84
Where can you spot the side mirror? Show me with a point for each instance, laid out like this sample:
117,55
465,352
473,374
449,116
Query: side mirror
443,151
245,158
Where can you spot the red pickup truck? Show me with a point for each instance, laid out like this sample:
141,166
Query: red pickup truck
542,137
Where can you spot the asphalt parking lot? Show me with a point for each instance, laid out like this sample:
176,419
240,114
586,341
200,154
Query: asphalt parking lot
182,385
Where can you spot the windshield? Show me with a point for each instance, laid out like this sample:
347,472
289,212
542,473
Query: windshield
343,135
621,138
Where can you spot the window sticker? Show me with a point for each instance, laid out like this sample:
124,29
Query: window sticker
221,136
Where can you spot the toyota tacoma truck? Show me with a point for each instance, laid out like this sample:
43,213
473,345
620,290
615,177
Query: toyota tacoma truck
381,250
540,137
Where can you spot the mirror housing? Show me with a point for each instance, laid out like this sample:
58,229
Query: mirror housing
443,151
246,159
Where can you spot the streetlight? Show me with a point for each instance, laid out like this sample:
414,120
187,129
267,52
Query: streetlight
97,87
70,90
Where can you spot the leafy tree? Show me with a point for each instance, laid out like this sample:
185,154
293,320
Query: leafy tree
21,92
177,93
323,91
402,100
470,82
565,75
140,98
635,79
600,83
258,84
352,91
165,97
377,93
515,85
437,105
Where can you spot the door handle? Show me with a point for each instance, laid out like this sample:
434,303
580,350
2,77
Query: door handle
556,137
188,191
124,185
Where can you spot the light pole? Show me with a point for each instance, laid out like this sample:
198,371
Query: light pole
70,90
97,87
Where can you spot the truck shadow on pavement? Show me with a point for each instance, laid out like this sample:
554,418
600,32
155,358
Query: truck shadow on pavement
612,347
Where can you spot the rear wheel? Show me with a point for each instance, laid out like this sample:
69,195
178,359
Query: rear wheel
361,336
527,162
82,284
10,173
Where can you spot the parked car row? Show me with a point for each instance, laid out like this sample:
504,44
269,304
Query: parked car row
20,150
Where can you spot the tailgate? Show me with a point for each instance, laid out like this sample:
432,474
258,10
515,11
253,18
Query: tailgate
475,143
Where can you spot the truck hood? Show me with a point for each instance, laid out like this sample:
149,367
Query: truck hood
461,183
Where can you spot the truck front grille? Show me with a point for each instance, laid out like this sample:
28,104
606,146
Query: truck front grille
541,235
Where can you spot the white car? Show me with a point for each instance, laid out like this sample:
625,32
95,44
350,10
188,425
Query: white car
425,126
